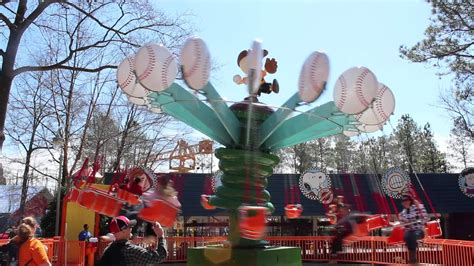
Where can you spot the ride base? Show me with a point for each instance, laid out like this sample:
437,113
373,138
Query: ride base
270,256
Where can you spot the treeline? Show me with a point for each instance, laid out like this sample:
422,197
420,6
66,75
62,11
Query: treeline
409,146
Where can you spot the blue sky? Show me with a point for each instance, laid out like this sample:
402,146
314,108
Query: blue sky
352,33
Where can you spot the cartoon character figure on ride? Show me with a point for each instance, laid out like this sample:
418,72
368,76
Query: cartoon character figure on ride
466,181
270,67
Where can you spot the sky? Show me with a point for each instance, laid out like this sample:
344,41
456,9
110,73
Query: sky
351,32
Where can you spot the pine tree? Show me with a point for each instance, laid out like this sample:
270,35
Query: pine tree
449,41
407,134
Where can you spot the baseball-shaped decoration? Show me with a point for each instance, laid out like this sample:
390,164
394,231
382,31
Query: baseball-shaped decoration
138,91
135,100
313,77
355,90
370,128
196,61
126,74
381,109
255,57
156,67
350,133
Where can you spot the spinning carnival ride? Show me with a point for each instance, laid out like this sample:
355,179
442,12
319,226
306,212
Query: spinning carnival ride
250,130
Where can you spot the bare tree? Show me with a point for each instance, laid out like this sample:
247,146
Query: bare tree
30,108
74,36
460,106
117,25
459,146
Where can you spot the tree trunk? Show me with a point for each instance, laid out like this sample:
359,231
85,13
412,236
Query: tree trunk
8,64
24,185
5,85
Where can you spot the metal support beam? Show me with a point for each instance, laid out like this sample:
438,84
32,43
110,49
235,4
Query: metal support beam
223,112
184,106
321,121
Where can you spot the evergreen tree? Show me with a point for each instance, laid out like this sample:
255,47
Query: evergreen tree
430,160
342,153
407,134
322,153
449,40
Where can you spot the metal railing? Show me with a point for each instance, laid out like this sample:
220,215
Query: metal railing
373,250
62,252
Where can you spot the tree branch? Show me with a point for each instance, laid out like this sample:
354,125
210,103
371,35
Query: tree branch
51,67
4,18
87,14
37,12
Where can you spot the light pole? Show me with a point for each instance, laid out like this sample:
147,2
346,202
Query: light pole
58,144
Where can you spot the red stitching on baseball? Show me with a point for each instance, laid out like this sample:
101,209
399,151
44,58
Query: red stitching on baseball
130,76
194,65
151,63
342,98
164,72
301,83
204,72
359,82
378,106
314,70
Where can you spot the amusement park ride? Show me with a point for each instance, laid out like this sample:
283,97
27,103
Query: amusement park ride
182,158
249,131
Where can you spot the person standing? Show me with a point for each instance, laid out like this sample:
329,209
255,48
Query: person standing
122,252
414,216
84,235
31,252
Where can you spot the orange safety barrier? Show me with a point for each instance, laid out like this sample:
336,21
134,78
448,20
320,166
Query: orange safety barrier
369,249
61,252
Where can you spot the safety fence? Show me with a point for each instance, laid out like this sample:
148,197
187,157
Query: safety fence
62,252
373,250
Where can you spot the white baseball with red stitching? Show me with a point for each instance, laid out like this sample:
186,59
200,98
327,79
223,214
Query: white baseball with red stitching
355,90
155,67
126,75
313,76
196,61
381,109
384,104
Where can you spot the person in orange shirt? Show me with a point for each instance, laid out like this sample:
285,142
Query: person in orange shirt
13,246
32,252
